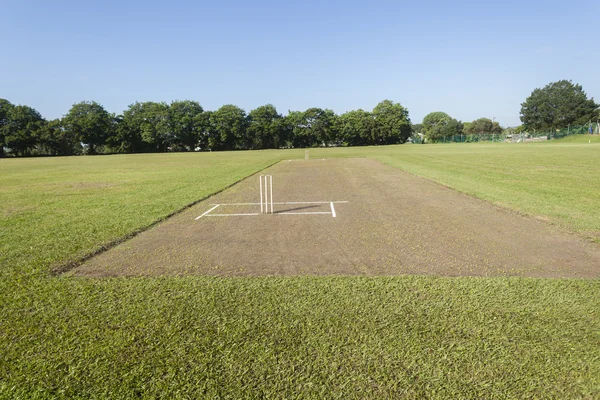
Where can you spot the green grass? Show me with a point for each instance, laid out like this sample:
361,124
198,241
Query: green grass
580,139
58,209
304,337
554,180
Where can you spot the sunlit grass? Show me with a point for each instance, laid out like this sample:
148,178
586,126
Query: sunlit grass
303,337
555,180
59,209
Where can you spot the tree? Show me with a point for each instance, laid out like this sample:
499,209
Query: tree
483,126
228,129
357,128
57,141
438,125
124,138
22,129
393,123
128,135
265,127
186,124
417,128
5,107
146,126
313,127
558,105
321,126
154,125
203,120
519,129
299,132
90,123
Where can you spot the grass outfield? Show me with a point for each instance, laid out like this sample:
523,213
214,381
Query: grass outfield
556,181
580,139
59,209
305,337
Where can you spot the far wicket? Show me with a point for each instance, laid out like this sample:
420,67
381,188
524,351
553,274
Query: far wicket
266,193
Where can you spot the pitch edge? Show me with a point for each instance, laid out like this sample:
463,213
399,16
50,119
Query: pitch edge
70,265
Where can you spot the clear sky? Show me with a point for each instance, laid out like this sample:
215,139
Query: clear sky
470,59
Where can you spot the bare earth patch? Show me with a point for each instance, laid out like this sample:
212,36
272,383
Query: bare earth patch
391,223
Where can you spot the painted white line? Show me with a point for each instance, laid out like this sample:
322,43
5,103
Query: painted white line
277,213
230,215
271,184
283,202
303,213
261,194
332,210
207,212
312,202
238,204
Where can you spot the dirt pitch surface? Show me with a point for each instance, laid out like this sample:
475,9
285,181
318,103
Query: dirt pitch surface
348,217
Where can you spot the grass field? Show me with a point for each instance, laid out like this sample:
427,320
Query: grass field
580,139
302,337
554,180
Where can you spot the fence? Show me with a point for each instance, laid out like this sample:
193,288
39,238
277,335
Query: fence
535,136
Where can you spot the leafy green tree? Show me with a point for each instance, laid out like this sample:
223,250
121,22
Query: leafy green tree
558,105
154,125
483,126
417,128
90,123
438,125
434,125
300,133
126,136
393,123
321,125
520,129
203,122
5,107
22,129
287,131
357,128
496,128
145,127
265,127
186,124
313,127
228,129
57,141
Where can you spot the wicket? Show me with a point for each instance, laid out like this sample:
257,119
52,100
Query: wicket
266,193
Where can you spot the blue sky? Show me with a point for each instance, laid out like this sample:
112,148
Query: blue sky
470,59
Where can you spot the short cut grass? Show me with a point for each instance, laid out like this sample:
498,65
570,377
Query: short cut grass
299,337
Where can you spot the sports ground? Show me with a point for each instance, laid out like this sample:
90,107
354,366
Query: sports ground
434,271
352,216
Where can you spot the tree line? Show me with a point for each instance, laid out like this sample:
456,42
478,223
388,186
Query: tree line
185,126
439,125
557,105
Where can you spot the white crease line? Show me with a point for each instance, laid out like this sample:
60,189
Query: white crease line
239,204
230,215
280,203
207,212
302,213
332,210
312,202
